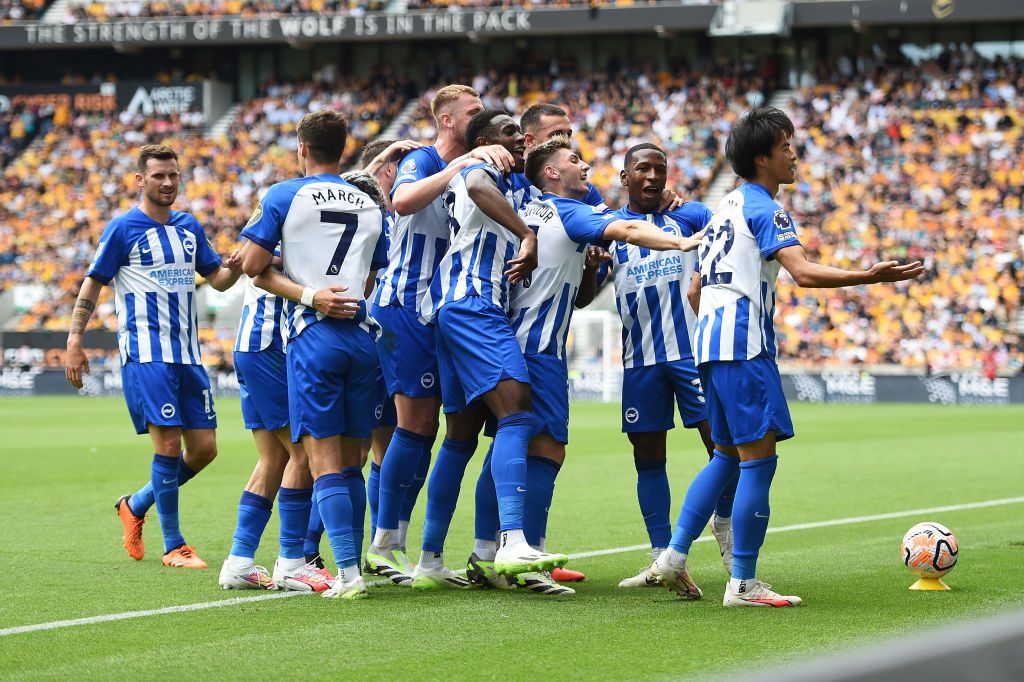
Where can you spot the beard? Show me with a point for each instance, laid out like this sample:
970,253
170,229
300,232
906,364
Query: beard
161,199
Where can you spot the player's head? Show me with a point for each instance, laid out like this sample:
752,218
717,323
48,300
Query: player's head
496,126
158,176
542,122
386,174
760,145
365,182
644,175
553,166
453,106
322,136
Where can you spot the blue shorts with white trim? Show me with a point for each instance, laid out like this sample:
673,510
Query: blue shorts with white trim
745,400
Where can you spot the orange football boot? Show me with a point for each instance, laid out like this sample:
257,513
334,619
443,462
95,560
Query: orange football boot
132,528
184,557
564,575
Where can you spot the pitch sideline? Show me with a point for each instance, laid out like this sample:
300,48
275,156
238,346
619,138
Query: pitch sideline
106,618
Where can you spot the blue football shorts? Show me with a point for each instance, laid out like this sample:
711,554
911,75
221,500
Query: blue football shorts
745,400
648,394
408,356
168,394
263,387
476,349
332,367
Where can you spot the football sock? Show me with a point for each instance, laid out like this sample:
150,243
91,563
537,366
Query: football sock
723,508
412,493
443,491
253,514
430,560
485,549
701,498
332,497
655,553
294,506
357,494
508,467
750,518
315,529
373,496
486,502
397,472
142,500
164,479
674,557
655,498
540,482
290,564
511,537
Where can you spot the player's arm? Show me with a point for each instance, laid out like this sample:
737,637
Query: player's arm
75,361
411,197
649,235
588,285
225,276
484,192
693,293
815,275
393,153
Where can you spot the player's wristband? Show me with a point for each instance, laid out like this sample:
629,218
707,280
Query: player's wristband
307,296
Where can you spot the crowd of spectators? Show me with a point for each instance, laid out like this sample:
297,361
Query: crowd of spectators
911,161
21,10
58,195
141,9
688,112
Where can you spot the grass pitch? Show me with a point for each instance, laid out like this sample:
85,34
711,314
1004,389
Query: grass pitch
63,461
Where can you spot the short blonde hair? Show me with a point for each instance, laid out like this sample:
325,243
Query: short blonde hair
447,95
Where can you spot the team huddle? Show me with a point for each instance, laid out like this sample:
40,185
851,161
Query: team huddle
442,279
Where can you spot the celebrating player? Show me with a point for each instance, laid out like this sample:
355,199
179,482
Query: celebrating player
749,238
408,358
658,364
153,254
540,314
331,238
282,468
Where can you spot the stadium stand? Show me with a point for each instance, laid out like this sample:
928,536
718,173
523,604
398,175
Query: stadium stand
114,9
21,10
912,161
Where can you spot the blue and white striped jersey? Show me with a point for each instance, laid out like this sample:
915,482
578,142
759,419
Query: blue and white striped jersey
261,324
331,234
480,248
541,306
418,241
738,273
154,270
650,289
525,192
389,226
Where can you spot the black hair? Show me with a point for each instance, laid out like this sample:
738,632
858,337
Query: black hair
532,116
754,135
481,125
635,149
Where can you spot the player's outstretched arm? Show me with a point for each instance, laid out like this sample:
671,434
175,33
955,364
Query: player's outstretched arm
412,197
814,275
75,361
588,285
485,194
649,235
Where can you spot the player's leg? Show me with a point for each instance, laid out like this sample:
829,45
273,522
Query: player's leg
646,417
480,565
461,434
292,569
408,363
765,421
254,509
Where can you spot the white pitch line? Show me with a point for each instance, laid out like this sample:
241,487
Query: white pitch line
57,624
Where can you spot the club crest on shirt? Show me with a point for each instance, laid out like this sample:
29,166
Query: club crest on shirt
257,213
408,167
189,244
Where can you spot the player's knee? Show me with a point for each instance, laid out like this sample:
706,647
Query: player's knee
203,454
649,447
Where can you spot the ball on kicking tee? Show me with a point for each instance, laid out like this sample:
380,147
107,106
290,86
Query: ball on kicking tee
929,550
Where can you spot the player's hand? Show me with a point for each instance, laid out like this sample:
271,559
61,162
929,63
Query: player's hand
691,243
331,303
525,261
234,261
595,256
399,149
670,201
892,271
496,155
75,363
